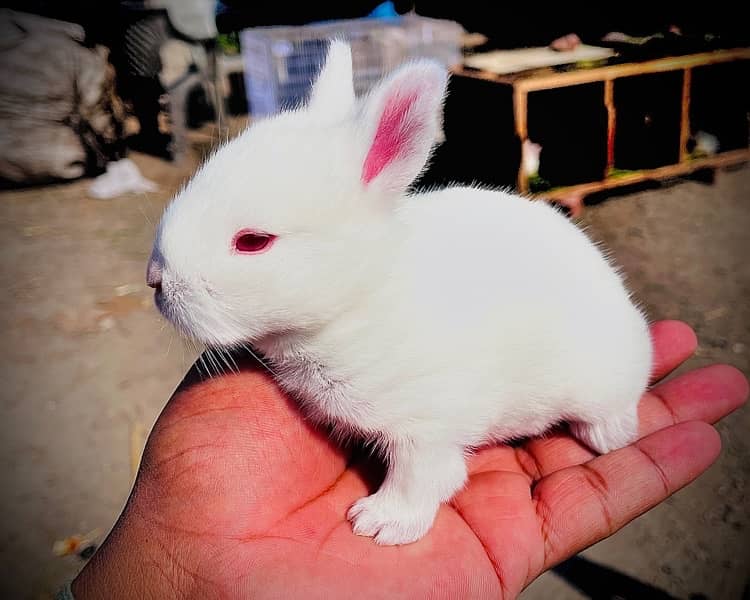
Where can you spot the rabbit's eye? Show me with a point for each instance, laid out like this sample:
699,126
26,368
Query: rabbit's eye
252,242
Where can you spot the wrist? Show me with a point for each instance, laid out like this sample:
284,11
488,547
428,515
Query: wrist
133,562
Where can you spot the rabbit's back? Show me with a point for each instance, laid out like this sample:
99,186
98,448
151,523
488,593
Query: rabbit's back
514,298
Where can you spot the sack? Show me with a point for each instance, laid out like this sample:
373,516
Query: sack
60,117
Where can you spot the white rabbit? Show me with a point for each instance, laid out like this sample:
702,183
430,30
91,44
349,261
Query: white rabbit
430,323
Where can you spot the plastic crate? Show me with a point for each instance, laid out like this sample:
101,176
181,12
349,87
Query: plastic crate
282,62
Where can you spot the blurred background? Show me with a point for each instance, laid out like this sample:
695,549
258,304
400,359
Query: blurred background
634,120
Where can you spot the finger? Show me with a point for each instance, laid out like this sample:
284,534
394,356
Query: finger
494,458
581,505
673,343
540,457
496,506
706,394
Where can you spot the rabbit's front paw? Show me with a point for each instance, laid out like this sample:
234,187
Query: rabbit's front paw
391,520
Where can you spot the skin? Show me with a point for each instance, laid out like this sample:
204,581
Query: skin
237,497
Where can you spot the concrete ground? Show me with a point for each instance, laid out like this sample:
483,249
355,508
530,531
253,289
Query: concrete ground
86,365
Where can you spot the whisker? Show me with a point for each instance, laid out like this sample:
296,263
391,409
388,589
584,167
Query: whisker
200,366
222,354
209,354
216,362
230,358
221,360
262,362
202,362
192,345
145,216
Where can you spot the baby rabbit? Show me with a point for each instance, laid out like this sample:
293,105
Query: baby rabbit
427,323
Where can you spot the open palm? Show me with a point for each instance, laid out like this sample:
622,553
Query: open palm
239,497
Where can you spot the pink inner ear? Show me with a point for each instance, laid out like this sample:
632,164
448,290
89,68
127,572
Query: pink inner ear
394,137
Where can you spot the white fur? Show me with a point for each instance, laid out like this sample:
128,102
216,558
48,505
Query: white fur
428,323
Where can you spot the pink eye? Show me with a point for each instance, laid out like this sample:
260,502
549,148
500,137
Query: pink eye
252,242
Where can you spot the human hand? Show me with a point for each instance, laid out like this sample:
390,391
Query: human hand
239,497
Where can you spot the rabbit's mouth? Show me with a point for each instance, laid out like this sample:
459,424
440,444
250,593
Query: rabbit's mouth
196,315
171,306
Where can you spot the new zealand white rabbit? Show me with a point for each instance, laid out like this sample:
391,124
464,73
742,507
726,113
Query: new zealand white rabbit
429,323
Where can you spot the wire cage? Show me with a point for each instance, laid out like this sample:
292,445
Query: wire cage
282,62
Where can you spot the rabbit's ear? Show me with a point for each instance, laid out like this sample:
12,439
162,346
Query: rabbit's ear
401,121
332,95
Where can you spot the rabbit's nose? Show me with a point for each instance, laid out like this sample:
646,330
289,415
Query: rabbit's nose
153,275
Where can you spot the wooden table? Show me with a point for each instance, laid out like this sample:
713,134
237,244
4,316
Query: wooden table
545,79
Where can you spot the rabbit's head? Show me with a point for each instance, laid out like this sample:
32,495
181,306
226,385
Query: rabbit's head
294,220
